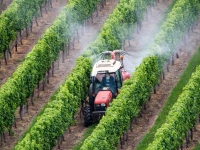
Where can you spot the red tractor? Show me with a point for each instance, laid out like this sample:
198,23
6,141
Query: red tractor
107,78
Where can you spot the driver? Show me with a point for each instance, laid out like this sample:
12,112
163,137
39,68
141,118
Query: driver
108,81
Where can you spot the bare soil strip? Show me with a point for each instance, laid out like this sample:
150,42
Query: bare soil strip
4,5
61,71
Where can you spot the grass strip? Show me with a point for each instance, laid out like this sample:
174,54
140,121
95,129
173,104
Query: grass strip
87,133
197,147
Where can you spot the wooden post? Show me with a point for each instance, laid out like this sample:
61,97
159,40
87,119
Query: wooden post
9,132
191,131
58,61
149,98
52,68
177,56
26,31
77,35
154,89
181,147
127,135
168,66
131,126
36,20
68,48
58,142
163,75
172,59
20,33
20,111
48,75
45,6
16,41
63,138
50,3
92,18
145,106
73,42
123,139
69,129
38,87
63,56
43,82
121,142
102,3
31,26
84,27
15,124
136,121
4,53
97,11
32,98
1,139
9,50
27,106
187,139
41,11
4,137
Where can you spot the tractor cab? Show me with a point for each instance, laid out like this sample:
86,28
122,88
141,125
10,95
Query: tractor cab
106,81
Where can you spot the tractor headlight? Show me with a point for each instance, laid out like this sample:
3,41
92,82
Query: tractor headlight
103,104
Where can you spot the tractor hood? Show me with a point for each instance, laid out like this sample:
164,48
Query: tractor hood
103,97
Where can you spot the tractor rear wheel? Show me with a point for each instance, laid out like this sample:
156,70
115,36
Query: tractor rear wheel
91,97
87,116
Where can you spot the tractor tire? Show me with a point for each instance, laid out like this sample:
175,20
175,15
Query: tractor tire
87,116
91,97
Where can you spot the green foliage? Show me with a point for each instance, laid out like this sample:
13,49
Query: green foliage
15,18
58,114
23,81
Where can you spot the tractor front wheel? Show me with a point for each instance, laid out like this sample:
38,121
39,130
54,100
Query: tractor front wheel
87,116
